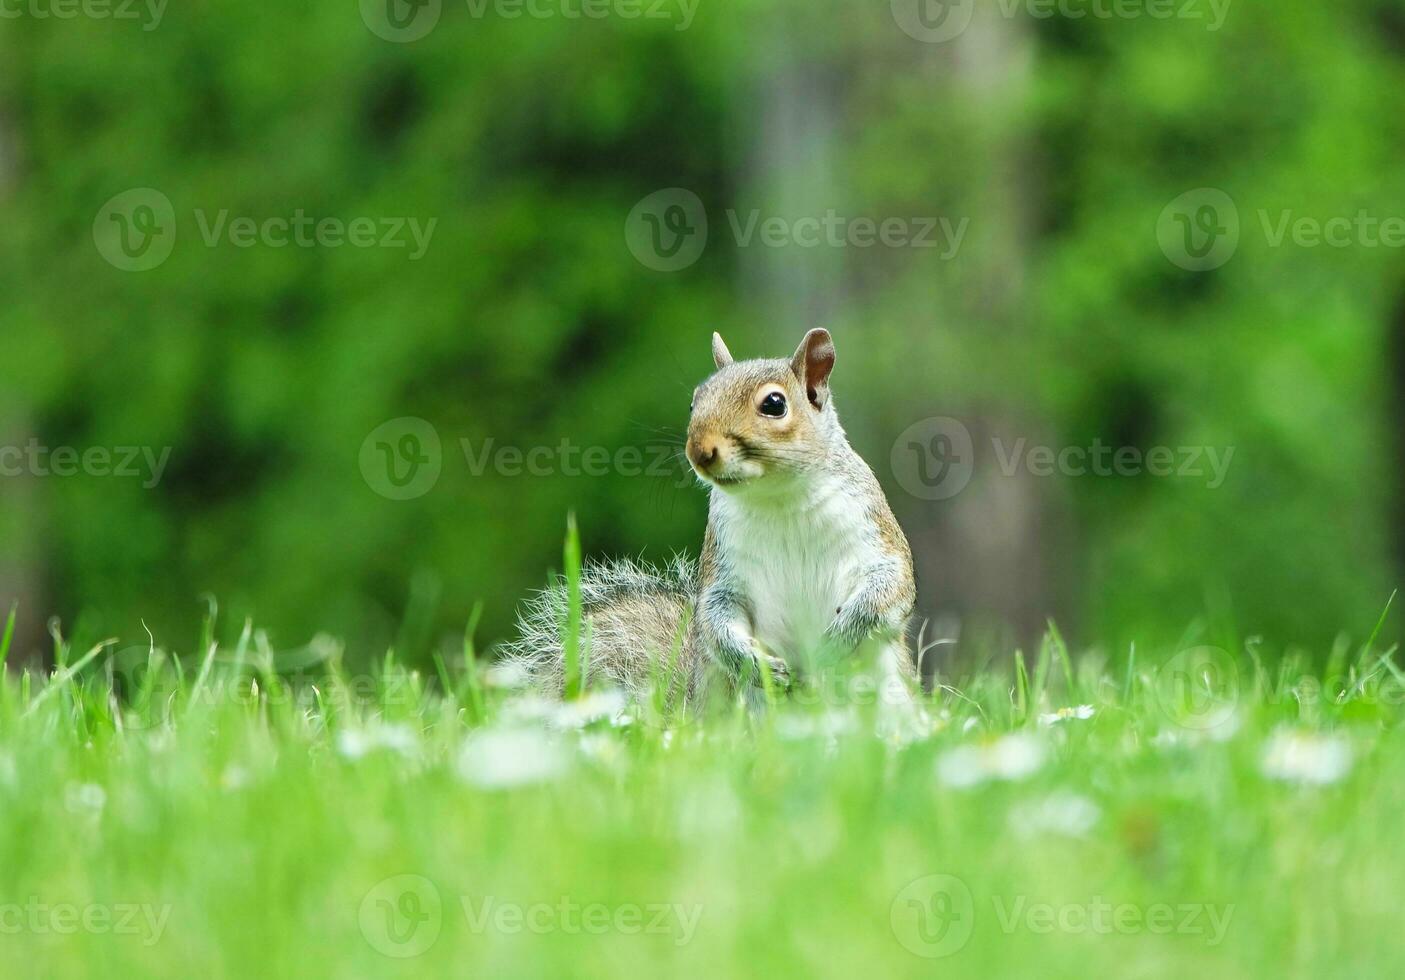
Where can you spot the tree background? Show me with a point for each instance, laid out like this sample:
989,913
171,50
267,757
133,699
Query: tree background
1061,140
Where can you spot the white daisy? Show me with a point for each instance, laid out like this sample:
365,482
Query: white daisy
512,676
1008,757
589,707
88,799
800,726
1082,712
1306,757
357,742
575,713
504,758
1064,814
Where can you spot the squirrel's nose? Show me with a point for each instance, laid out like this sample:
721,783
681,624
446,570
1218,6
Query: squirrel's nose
704,455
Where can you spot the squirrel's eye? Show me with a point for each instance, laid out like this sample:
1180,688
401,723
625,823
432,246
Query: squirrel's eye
773,405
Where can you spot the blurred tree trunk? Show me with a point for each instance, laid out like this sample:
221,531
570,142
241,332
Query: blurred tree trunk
984,556
789,171
20,575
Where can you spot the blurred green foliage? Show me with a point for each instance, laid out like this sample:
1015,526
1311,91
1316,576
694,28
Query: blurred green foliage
528,321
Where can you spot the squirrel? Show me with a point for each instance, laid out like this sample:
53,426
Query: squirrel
802,560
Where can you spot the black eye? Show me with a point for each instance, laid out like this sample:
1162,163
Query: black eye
773,405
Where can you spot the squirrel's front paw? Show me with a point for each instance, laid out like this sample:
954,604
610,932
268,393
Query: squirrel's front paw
778,668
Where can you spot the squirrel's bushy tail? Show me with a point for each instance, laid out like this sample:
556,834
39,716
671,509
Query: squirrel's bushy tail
636,616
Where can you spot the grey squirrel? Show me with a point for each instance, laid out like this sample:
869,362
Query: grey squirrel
802,559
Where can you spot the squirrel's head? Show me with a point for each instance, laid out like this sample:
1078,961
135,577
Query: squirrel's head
754,421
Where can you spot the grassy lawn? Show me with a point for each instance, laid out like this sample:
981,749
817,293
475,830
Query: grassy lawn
241,812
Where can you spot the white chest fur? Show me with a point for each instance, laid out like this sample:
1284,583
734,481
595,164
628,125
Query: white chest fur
797,561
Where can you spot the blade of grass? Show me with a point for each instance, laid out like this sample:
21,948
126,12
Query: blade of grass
472,683
59,681
1380,622
571,631
207,636
1061,650
1021,688
1131,675
8,635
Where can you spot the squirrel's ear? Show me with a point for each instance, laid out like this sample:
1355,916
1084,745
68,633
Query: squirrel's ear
721,356
813,361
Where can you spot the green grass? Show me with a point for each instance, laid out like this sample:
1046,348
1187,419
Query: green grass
243,812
